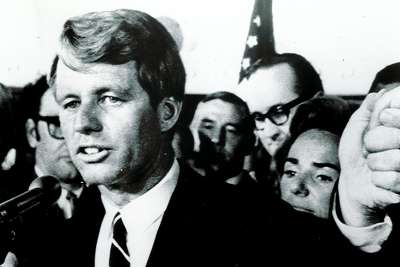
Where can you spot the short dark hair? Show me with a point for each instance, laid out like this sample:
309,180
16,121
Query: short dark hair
31,100
119,36
326,113
32,95
248,122
387,75
329,113
308,81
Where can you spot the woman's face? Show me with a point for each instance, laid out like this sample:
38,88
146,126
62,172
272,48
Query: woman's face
310,172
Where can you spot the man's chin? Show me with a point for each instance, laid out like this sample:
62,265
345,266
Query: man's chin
96,175
272,150
69,176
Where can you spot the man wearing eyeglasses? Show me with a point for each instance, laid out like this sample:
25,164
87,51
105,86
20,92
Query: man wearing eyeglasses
44,135
273,89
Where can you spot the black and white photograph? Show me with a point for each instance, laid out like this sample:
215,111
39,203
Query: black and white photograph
149,133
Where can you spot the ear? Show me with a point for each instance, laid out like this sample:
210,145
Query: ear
9,159
168,112
31,133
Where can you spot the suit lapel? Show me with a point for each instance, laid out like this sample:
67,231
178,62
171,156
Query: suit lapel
199,226
176,223
85,226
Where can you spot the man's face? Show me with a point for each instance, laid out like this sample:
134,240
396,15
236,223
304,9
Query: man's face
111,130
222,136
266,88
310,172
51,154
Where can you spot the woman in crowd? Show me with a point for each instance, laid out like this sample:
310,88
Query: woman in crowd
311,168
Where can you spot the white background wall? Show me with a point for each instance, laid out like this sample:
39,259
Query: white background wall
347,41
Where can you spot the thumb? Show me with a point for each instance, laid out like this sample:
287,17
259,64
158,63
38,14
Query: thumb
351,142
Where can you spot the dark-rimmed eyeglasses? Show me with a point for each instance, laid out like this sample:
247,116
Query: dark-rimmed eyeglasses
278,114
53,126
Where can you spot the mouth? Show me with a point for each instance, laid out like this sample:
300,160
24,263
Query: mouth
268,140
92,154
303,209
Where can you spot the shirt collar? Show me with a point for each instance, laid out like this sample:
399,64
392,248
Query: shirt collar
143,211
235,180
77,191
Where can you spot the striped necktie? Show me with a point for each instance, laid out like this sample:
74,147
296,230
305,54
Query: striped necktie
119,254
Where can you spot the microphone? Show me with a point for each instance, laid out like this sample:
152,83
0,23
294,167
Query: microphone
43,192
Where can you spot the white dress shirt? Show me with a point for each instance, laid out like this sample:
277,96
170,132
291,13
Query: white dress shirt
235,180
141,217
66,202
369,238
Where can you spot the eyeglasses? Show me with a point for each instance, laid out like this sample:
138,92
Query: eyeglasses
278,114
53,126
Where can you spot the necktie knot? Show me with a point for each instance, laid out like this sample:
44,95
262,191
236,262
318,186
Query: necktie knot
71,196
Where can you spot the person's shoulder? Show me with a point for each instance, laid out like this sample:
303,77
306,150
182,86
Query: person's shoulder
205,187
90,193
89,208
215,198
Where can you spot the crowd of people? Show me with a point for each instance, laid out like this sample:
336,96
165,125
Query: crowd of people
271,171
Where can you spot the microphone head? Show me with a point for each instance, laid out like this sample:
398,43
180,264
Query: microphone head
45,182
49,185
42,193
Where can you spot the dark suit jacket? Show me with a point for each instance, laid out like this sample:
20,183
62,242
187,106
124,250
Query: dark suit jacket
202,226
207,223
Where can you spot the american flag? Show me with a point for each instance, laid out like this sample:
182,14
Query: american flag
260,39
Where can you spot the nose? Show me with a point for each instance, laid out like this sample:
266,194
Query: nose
87,119
299,186
270,130
218,136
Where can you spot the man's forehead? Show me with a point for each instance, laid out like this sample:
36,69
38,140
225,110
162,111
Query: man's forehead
219,109
268,87
95,75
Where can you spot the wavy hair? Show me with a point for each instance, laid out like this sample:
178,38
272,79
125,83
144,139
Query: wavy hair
120,36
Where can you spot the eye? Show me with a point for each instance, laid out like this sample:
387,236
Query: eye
289,173
324,178
207,125
110,100
70,104
259,117
231,129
